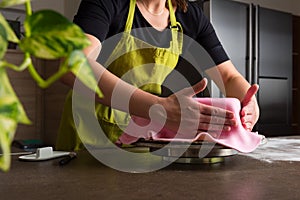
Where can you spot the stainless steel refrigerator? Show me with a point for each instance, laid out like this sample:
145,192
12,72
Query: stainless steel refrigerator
259,42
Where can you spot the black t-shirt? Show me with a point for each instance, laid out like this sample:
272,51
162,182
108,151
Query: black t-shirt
106,18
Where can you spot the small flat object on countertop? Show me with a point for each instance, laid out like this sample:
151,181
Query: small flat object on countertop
238,138
45,153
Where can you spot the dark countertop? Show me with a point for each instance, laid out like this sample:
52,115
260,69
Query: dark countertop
239,177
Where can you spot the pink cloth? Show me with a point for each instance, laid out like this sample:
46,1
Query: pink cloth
238,138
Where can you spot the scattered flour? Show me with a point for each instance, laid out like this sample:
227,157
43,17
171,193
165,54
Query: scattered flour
277,149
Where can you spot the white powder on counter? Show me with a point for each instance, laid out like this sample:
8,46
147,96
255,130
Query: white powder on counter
277,149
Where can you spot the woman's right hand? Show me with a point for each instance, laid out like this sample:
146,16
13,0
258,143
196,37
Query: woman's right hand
183,114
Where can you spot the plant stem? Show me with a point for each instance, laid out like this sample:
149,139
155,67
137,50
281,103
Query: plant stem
28,13
20,68
35,75
28,8
45,83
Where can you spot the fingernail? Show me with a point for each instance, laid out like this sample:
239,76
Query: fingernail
235,124
227,128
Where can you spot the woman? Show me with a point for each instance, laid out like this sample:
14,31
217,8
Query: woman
102,19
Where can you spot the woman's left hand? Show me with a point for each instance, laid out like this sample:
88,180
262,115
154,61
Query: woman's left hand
250,110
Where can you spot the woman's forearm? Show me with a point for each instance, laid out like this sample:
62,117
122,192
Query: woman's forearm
237,87
229,80
121,95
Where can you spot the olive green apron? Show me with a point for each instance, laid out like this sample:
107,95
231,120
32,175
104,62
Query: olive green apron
135,61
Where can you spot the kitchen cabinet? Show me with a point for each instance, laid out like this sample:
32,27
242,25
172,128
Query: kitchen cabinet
30,95
43,106
54,98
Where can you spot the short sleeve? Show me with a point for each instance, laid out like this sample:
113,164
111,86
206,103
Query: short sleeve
95,16
208,38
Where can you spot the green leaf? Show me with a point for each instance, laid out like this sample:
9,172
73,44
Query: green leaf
8,3
81,68
8,128
11,36
3,41
10,105
11,113
51,35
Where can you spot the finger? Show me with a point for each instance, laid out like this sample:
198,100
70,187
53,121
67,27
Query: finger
248,126
199,87
213,127
242,113
247,122
195,89
215,111
217,120
250,93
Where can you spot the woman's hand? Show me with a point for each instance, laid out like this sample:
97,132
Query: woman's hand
250,110
182,113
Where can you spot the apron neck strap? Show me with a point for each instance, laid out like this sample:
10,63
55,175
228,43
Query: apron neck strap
130,17
172,15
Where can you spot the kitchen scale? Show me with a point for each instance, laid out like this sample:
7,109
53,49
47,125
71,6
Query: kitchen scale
182,152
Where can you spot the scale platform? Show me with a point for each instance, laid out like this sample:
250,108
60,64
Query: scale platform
181,152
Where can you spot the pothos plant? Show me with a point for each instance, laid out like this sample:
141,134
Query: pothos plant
47,35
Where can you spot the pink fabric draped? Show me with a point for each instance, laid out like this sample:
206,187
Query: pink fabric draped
238,138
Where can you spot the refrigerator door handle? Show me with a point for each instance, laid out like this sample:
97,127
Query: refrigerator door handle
256,47
249,59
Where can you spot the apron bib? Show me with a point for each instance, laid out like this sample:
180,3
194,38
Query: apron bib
136,62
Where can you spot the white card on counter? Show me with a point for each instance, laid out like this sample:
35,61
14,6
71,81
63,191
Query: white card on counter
45,153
